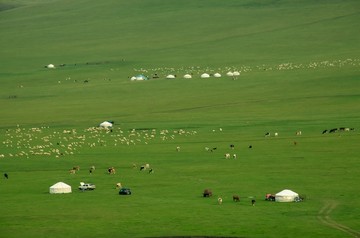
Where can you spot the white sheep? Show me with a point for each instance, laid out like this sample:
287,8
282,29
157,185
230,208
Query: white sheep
220,200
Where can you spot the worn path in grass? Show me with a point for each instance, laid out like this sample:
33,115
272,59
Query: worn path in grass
324,217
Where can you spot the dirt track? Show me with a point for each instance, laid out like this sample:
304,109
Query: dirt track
324,218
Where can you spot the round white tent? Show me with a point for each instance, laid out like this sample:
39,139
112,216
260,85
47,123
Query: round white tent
50,66
187,76
236,73
205,75
217,75
286,196
139,77
106,124
60,187
230,74
170,76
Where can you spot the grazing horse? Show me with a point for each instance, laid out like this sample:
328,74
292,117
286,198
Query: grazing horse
77,168
220,200
72,171
324,131
236,198
207,193
253,202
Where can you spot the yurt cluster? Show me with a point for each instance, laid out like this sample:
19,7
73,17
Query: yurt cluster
233,75
234,72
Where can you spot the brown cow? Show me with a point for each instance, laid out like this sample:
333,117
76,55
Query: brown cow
207,193
236,198
77,168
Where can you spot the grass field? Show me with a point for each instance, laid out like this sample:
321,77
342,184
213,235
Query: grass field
299,64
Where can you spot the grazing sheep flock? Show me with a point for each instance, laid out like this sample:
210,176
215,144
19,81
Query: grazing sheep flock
48,142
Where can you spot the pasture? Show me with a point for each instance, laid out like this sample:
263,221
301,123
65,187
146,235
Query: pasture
299,65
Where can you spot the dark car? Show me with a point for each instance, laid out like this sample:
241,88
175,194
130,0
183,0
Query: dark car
125,191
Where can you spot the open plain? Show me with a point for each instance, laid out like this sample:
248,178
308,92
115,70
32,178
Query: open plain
299,66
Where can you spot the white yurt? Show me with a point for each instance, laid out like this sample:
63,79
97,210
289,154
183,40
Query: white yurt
286,196
205,75
217,75
230,74
141,77
236,73
60,187
170,76
187,76
50,66
106,124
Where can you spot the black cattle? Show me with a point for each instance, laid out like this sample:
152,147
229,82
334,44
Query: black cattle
232,146
333,130
324,131
6,175
250,146
267,134
253,202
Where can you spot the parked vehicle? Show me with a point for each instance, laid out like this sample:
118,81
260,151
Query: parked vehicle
270,197
86,186
125,191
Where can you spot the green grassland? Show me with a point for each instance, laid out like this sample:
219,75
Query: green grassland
299,64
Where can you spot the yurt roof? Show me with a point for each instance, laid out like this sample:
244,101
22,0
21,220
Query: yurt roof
60,185
205,75
286,192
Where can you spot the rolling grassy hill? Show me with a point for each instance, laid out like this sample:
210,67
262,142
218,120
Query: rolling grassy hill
299,71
